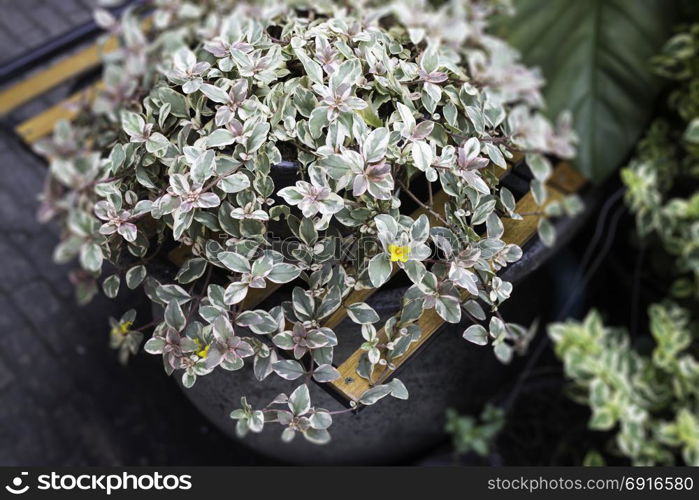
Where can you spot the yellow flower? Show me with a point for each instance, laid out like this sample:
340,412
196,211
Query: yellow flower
202,353
122,328
399,253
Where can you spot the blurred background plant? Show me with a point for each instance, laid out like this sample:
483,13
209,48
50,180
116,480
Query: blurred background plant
648,392
471,434
594,56
604,61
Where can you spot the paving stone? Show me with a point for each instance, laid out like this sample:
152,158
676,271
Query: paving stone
17,25
28,434
19,272
31,293
13,213
52,20
82,12
6,376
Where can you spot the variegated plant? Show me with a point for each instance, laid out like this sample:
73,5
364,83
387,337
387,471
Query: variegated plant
363,100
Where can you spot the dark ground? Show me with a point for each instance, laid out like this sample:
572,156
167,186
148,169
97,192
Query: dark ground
64,399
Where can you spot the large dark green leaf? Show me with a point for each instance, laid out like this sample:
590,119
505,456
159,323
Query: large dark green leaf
595,57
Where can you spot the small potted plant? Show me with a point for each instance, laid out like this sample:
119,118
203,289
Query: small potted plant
285,142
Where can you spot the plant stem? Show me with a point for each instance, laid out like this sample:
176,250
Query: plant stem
198,298
417,200
339,412
147,325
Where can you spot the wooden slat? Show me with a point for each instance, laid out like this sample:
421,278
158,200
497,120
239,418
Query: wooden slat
567,178
256,295
66,68
42,124
351,386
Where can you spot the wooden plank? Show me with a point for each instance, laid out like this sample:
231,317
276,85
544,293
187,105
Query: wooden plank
256,295
567,178
351,386
42,124
69,67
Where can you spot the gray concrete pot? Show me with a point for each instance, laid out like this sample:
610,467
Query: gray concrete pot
446,373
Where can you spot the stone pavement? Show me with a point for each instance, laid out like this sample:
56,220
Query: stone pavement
64,399
26,24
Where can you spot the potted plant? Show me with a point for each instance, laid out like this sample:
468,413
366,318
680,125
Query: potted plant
279,143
